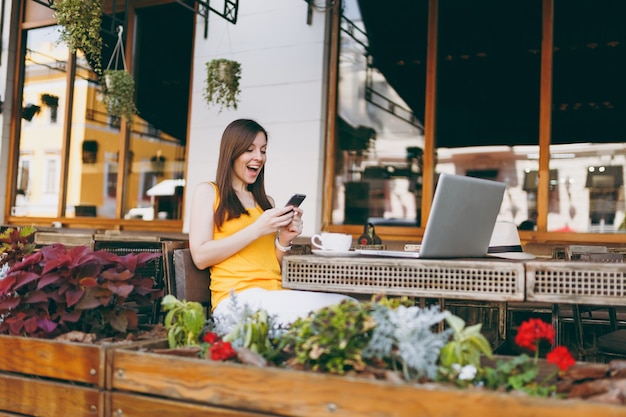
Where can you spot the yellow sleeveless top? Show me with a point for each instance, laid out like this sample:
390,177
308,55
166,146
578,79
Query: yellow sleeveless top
255,266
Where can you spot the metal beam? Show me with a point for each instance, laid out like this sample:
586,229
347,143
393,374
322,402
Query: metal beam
115,21
229,11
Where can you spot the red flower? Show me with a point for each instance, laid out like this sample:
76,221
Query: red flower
531,332
221,351
210,337
561,357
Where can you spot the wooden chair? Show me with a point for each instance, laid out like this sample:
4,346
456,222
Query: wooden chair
169,274
598,344
190,283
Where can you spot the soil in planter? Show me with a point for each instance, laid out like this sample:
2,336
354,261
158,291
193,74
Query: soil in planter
145,332
600,382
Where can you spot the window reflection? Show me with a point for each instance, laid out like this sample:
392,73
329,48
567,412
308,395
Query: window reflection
488,93
41,137
378,157
152,148
488,99
588,113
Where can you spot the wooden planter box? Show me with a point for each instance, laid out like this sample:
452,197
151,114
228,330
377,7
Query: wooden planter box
291,393
53,378
132,405
42,398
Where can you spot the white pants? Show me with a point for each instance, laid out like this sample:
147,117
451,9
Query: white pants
285,305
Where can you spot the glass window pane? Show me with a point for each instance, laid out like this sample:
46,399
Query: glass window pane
94,144
487,114
379,138
155,181
588,113
41,138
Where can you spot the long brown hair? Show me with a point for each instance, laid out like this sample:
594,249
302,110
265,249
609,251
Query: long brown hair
236,139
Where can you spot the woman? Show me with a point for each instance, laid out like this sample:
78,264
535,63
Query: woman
237,232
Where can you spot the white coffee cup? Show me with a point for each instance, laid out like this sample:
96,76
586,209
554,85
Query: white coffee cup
336,242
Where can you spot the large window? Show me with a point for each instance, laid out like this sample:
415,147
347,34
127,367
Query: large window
88,144
492,86
379,134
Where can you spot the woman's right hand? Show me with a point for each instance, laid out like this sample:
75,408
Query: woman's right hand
273,219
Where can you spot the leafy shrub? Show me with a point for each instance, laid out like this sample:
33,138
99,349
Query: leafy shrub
15,244
184,321
57,290
404,338
332,339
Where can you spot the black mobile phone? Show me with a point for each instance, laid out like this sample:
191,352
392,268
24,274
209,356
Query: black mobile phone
296,200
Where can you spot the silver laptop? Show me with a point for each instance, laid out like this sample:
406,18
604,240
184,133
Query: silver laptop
461,220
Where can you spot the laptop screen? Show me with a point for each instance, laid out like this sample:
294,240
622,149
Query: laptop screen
462,217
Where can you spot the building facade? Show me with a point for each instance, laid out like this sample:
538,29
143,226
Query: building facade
365,104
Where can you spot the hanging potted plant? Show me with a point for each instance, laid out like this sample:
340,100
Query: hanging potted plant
79,25
118,93
222,83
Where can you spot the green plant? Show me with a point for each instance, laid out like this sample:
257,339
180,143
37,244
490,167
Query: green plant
462,355
467,345
252,333
79,26
403,338
56,290
222,83
119,94
184,321
331,339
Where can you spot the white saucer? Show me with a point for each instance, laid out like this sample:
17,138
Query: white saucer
334,253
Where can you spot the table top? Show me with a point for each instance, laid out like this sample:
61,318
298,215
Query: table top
484,279
576,282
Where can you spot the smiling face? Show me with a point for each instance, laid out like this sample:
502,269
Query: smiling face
248,165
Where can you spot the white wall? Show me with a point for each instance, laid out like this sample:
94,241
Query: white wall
282,88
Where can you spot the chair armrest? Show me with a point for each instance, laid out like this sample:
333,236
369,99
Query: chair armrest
192,284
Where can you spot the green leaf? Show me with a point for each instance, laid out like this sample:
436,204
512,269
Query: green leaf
169,302
456,323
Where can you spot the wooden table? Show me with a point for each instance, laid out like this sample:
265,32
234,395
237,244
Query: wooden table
551,282
483,284
464,279
576,282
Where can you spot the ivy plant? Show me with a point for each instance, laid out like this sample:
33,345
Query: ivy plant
79,26
222,83
119,94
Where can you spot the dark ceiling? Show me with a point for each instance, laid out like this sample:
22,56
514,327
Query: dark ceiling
396,32
162,66
488,67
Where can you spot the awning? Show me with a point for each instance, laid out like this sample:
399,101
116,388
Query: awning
166,187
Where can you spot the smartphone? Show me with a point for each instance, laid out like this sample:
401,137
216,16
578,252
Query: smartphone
296,200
